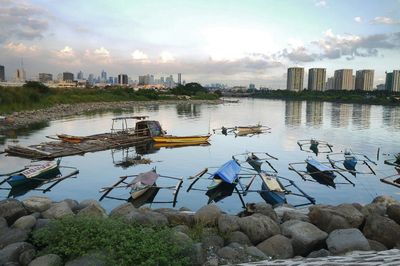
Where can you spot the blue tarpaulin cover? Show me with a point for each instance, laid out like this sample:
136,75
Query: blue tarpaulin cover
229,171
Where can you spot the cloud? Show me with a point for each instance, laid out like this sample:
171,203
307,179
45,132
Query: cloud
320,3
385,21
21,21
102,54
299,54
65,53
66,56
166,57
20,48
358,19
139,56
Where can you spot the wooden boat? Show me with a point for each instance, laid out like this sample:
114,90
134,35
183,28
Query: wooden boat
71,138
142,183
246,130
171,145
321,172
228,172
181,139
272,191
314,146
43,171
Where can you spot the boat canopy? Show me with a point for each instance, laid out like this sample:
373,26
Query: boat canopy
228,172
321,167
149,127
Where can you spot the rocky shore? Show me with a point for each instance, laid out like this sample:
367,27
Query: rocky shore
24,119
261,233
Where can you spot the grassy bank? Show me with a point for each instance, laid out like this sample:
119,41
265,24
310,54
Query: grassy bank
361,97
34,95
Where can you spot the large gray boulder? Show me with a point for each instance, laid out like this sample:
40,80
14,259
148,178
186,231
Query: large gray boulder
11,210
177,217
258,227
58,210
37,203
198,256
377,246
305,237
393,211
228,223
27,256
385,201
373,208
238,237
228,253
47,260
94,210
383,230
40,223
295,215
12,252
277,247
73,204
319,253
122,210
25,222
255,253
329,218
343,240
211,240
264,209
12,235
85,203
181,239
208,215
146,217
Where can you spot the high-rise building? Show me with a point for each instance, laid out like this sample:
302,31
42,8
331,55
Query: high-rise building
179,78
295,78
389,81
123,79
68,77
103,76
330,84
79,76
170,82
45,77
316,79
2,74
343,79
364,80
91,79
396,81
20,75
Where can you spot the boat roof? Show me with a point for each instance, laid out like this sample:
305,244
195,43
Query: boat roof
131,117
148,178
228,171
321,167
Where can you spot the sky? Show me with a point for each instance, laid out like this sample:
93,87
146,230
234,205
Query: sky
232,42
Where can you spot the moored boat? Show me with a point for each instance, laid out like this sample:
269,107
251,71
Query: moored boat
142,183
228,172
245,130
43,171
181,139
321,172
71,138
272,191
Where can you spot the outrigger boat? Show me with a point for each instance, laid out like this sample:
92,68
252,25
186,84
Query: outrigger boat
181,139
243,130
350,160
393,180
71,139
315,146
395,161
142,183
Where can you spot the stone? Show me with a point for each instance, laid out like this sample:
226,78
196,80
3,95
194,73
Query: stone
198,256
255,253
258,227
228,223
385,200
182,228
94,210
12,235
228,253
47,260
27,256
181,239
85,203
40,223
122,210
295,215
382,229
146,217
58,210
305,237
37,203
87,260
25,222
373,208
280,210
239,237
264,209
319,253
277,247
329,218
341,241
393,211
11,210
73,204
184,209
12,252
177,217
375,245
210,239
3,224
207,215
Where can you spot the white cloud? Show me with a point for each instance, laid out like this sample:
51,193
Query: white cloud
358,19
166,57
320,3
20,48
99,55
140,56
385,20
66,53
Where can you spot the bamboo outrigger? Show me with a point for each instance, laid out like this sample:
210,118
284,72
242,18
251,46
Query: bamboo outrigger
315,146
393,180
350,160
240,131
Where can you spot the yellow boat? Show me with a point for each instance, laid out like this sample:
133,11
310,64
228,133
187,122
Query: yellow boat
181,139
179,144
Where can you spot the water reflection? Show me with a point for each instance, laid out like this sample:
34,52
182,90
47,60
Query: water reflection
361,116
391,116
188,110
293,113
314,113
340,115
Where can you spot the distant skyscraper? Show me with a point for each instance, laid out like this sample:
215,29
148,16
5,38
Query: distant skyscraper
170,82
2,74
91,79
330,84
316,79
365,80
252,86
68,77
45,77
20,75
389,81
179,78
344,79
79,76
123,79
110,80
396,81
295,78
103,76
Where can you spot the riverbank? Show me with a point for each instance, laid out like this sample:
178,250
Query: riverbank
24,119
37,231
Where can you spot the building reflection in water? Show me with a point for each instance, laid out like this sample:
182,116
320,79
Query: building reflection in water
361,116
314,113
293,113
391,116
188,110
340,115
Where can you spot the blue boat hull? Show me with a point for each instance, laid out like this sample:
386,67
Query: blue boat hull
272,197
19,179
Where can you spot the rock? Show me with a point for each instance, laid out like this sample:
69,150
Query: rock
382,229
11,210
385,201
319,253
375,245
27,256
239,237
13,235
12,252
40,223
37,203
329,218
277,247
228,223
177,217
228,253
306,237
258,227
25,222
184,209
182,228
87,260
73,204
393,211
341,241
198,256
146,217
47,260
207,215
280,210
85,203
58,210
181,239
93,210
209,239
295,215
264,209
122,210
255,253
3,224
373,208
37,215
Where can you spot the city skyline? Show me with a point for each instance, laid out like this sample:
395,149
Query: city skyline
222,41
